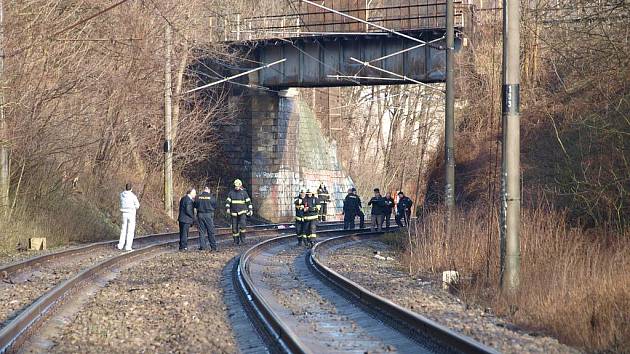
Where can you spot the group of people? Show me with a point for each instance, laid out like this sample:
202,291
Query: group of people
309,209
193,209
382,208
238,206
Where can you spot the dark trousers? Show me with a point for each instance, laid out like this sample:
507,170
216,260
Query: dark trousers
406,216
206,229
299,229
310,229
348,221
239,222
361,219
323,211
183,235
387,217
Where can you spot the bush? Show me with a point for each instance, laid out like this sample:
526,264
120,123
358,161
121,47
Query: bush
575,284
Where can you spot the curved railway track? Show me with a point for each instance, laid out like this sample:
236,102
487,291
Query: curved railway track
304,307
41,302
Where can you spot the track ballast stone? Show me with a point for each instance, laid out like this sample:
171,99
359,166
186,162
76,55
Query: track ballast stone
172,303
356,262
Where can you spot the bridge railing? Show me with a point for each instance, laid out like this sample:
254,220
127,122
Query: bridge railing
431,15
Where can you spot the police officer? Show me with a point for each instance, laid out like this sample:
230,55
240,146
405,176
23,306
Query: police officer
205,205
299,217
324,199
239,206
403,209
350,207
311,214
186,217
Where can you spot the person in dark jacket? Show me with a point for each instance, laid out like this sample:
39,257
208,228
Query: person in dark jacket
359,211
186,217
403,209
324,199
239,206
299,217
389,207
350,207
205,205
311,215
378,210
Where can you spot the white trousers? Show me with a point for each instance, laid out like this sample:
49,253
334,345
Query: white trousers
127,231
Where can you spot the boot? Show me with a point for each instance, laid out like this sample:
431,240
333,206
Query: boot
236,240
299,241
242,239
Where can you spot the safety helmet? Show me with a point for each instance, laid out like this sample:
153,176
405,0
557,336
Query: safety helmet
238,183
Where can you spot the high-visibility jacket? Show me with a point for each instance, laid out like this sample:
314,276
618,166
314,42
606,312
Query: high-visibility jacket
299,208
238,202
323,195
311,208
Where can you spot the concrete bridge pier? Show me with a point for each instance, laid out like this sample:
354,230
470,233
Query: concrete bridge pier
278,148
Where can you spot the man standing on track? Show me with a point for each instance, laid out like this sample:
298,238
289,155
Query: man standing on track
350,207
311,214
403,209
378,210
389,207
186,217
205,205
299,217
239,206
128,205
324,199
359,211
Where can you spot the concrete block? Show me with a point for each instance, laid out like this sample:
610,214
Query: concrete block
37,243
450,278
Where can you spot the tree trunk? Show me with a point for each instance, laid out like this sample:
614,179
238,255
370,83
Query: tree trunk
4,130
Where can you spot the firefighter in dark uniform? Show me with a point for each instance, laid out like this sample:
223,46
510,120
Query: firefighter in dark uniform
299,217
324,199
205,204
311,214
239,206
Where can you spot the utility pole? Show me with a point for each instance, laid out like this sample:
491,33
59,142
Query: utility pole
4,133
168,116
510,166
449,125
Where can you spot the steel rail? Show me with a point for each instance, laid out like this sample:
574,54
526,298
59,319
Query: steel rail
396,313
283,338
11,268
14,333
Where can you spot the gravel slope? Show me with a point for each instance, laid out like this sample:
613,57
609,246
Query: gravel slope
386,278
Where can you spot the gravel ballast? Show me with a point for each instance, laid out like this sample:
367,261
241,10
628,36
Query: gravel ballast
171,303
357,262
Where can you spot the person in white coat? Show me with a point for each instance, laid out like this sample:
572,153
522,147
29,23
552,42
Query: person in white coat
128,205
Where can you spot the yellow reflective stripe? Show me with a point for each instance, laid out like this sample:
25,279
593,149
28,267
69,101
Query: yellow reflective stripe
234,214
297,218
300,207
238,202
311,217
229,199
251,206
311,236
235,235
242,212
248,200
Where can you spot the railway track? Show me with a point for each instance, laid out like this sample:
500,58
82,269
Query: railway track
305,307
41,301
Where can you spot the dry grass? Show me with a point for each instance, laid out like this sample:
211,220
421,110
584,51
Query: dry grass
575,284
